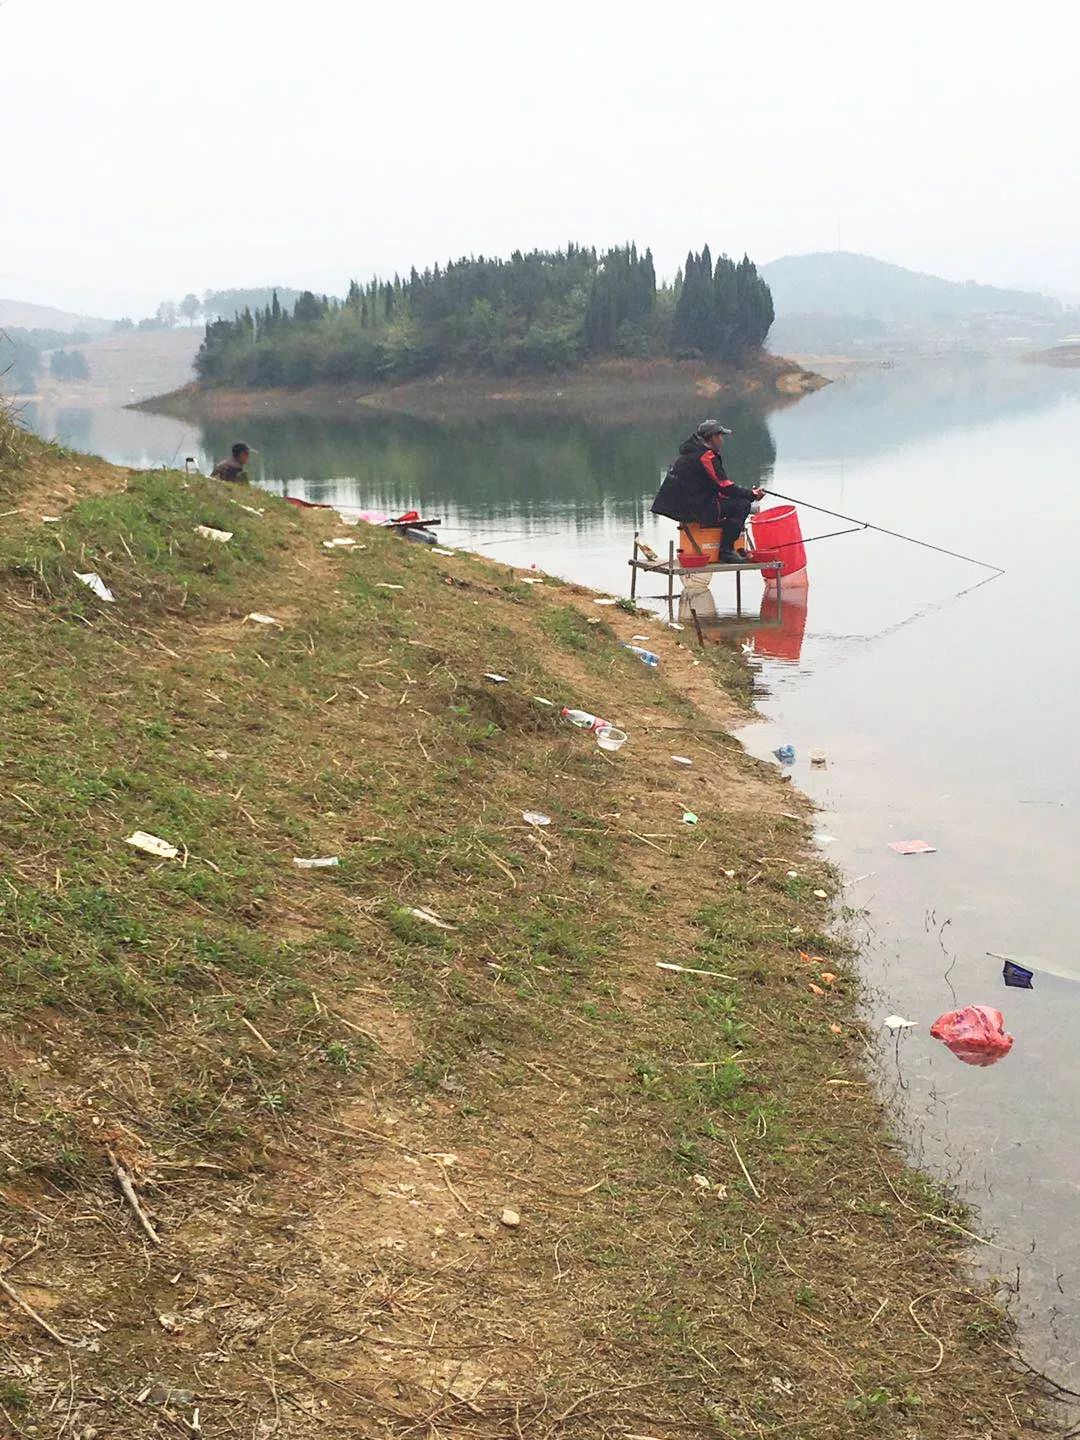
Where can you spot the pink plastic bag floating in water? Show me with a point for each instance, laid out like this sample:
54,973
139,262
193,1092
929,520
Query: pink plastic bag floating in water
976,1035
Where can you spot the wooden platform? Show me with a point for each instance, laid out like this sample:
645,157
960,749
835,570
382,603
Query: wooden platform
671,568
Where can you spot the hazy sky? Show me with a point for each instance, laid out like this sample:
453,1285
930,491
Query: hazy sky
155,148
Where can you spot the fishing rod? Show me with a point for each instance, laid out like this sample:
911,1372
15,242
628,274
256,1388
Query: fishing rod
895,534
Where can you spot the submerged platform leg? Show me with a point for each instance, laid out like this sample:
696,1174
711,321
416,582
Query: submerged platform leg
738,593
671,582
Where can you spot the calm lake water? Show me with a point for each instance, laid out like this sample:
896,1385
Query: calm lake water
948,713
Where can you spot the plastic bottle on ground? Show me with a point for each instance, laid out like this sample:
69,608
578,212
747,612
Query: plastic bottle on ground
645,656
584,721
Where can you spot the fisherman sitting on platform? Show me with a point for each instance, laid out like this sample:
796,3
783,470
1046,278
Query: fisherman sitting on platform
697,491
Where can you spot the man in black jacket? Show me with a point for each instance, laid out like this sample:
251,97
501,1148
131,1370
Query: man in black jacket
696,489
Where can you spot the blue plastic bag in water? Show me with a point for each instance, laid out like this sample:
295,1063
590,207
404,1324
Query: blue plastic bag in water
785,754
1017,976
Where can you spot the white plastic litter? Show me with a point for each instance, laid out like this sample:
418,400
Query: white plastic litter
423,913
209,533
639,637
152,845
534,817
674,625
95,583
609,737
529,580
822,894
817,757
321,862
259,619
496,679
825,839
435,550
897,1022
340,542
50,519
541,701
385,585
682,760
605,602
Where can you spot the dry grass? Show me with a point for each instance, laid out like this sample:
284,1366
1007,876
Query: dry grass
327,1103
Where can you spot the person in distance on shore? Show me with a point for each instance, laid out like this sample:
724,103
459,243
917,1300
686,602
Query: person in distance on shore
696,489
234,469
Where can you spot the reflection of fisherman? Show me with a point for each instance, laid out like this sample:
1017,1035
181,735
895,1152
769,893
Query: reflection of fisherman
233,469
696,489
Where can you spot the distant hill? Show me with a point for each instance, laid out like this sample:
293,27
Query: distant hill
22,315
839,283
838,302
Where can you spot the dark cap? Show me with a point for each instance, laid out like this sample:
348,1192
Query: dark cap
708,428
240,449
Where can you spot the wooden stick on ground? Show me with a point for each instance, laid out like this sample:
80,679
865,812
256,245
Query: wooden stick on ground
17,1300
127,1189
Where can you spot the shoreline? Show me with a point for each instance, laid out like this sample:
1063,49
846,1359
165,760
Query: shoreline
619,388
695,1164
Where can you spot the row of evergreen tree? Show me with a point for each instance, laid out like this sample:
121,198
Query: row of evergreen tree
541,310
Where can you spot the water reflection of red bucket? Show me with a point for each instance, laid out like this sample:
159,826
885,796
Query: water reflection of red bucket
778,536
783,641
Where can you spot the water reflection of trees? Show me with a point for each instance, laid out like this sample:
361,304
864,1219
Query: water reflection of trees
504,466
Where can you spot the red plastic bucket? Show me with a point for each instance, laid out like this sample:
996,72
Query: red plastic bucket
778,536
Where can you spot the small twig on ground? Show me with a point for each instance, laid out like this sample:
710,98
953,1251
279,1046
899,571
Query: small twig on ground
450,1186
938,1219
742,1167
127,1189
940,1344
17,1300
261,1038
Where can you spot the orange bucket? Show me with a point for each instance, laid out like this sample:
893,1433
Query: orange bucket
699,544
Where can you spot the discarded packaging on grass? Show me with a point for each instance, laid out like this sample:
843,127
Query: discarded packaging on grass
610,738
584,721
257,618
912,847
340,542
209,533
437,550
534,817
321,862
541,701
421,912
605,602
529,580
689,818
976,1034
645,656
385,585
682,759
785,754
897,1022
152,845
94,582
496,679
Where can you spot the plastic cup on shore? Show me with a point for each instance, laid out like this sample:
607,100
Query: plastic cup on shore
609,738
817,757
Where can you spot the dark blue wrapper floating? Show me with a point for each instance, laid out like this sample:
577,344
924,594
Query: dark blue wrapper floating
1017,976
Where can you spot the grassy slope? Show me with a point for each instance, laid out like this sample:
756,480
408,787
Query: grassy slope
328,1102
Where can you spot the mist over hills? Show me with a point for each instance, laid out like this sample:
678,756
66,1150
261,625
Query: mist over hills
23,315
836,298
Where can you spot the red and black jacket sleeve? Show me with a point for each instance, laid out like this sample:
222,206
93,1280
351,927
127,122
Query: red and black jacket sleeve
713,466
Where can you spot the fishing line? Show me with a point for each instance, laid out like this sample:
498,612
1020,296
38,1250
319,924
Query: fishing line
895,534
